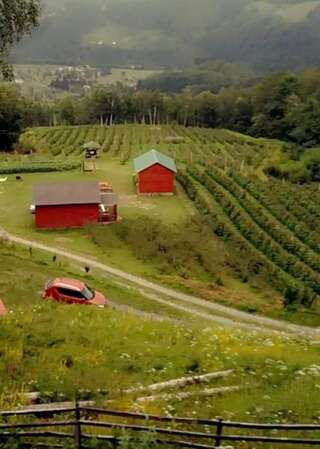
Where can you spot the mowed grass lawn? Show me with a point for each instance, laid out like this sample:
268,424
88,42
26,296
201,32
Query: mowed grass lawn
58,349
16,198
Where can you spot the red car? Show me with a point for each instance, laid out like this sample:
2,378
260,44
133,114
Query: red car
72,291
3,310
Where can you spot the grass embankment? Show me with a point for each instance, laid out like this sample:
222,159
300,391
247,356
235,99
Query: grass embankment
59,349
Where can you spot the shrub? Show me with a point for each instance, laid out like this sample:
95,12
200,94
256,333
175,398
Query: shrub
8,168
175,140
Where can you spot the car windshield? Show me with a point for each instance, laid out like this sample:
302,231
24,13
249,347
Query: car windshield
87,292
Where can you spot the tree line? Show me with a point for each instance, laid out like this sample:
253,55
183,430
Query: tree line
283,106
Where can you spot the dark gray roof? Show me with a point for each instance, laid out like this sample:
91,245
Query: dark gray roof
54,194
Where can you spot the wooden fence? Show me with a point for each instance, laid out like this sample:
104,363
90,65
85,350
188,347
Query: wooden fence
39,427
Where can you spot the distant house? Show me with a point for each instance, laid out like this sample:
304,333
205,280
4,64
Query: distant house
155,173
66,205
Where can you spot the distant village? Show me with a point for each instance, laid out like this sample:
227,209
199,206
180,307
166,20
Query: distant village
75,79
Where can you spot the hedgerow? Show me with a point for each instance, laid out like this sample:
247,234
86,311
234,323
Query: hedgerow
37,167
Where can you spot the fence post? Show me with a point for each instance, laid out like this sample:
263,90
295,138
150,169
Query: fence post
219,433
77,426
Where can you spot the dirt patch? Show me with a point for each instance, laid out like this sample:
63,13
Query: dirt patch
63,240
217,293
134,201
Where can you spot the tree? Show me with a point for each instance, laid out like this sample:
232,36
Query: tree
304,119
11,117
17,18
207,109
271,100
66,111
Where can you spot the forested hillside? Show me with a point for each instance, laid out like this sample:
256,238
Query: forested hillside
266,34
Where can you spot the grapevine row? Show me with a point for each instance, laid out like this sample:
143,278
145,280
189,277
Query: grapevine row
311,239
267,222
253,233
258,262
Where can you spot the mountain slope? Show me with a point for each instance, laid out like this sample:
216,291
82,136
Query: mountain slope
269,34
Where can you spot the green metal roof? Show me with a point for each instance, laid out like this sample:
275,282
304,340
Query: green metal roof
153,157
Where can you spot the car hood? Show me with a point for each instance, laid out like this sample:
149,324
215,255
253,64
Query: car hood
99,299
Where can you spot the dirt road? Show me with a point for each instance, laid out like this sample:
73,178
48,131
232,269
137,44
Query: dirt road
209,311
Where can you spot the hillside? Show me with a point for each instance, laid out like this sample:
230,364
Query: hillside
266,34
263,251
205,76
45,347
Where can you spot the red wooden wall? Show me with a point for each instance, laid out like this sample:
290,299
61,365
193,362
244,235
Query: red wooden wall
66,216
156,179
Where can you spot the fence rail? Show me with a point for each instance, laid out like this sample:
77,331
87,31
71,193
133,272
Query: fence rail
209,433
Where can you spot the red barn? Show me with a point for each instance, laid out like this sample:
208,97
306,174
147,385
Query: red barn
66,205
155,173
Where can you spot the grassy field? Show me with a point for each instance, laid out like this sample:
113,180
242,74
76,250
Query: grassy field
253,251
17,218
128,77
172,211
46,346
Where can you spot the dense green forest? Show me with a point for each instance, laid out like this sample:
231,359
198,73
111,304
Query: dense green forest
265,34
210,75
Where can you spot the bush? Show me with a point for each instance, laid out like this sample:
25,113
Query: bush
180,249
175,140
7,168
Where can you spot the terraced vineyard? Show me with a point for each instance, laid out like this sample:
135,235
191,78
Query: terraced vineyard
273,226
125,141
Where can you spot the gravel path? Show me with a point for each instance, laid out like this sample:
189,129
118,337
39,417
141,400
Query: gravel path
218,313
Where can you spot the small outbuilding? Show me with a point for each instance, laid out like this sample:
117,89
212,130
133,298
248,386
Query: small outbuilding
66,205
155,173
108,207
92,150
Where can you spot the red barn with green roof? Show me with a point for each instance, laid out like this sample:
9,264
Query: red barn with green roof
155,173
